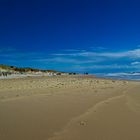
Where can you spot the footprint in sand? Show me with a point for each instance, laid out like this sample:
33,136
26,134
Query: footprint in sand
106,102
17,95
83,123
95,91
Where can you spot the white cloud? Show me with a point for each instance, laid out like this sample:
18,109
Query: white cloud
81,60
135,63
105,67
128,54
68,60
89,60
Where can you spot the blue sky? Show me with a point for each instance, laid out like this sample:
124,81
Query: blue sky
95,36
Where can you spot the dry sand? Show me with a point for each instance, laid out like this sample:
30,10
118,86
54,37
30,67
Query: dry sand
69,108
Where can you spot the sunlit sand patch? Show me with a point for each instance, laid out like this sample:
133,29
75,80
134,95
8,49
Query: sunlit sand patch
66,108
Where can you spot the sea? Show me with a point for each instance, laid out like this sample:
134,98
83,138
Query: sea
120,76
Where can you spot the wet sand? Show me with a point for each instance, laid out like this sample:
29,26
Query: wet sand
69,108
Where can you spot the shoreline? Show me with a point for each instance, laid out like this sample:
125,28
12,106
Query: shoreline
20,76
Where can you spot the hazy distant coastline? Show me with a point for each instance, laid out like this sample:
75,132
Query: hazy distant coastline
17,72
9,72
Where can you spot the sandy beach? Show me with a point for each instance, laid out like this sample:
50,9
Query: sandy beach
69,108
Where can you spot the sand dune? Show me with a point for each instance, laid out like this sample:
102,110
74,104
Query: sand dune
69,108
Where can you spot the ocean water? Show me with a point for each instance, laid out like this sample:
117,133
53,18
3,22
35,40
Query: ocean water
121,76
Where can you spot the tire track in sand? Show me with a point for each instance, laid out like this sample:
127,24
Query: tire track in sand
88,112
